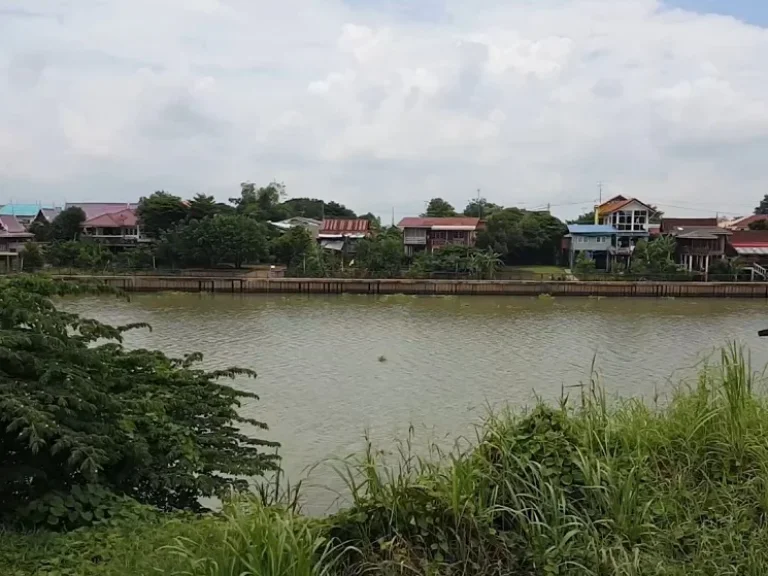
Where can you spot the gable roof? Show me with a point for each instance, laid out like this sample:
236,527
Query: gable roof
341,225
94,209
460,221
619,202
49,214
10,226
591,229
124,217
23,210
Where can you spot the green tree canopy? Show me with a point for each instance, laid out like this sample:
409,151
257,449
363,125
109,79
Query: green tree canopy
381,256
336,210
292,247
305,207
68,224
762,208
202,206
83,420
655,256
262,203
227,239
32,257
586,218
439,208
523,237
481,208
160,212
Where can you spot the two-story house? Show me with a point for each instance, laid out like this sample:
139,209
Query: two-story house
596,241
631,219
13,236
430,234
700,241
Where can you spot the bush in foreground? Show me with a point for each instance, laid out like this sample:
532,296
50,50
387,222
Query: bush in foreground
88,428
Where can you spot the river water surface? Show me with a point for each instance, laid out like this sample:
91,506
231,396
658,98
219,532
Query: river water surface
331,368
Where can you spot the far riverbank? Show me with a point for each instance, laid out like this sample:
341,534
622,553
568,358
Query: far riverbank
250,285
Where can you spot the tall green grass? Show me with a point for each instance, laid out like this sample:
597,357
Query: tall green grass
586,487
592,489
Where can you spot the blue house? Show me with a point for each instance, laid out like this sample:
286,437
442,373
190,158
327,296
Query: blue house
597,241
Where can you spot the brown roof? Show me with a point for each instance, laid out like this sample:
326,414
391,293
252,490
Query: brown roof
669,224
430,222
341,225
749,238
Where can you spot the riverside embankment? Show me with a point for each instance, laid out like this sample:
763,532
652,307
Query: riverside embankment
246,285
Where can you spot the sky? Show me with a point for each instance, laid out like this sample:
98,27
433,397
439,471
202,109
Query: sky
383,104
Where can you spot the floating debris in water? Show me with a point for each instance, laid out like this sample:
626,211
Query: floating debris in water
546,297
382,358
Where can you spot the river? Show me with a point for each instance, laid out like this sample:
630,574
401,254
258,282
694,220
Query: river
330,368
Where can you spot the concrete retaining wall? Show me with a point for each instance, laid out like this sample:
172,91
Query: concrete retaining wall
432,287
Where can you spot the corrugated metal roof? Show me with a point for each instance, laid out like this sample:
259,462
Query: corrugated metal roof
415,222
751,250
24,210
617,203
592,229
749,238
341,225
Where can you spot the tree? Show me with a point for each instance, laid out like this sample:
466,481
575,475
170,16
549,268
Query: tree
68,224
655,257
584,265
292,247
762,208
160,212
522,237
381,256
305,207
263,203
63,254
439,208
202,206
759,225
42,230
336,210
481,208
31,257
235,239
586,218
84,421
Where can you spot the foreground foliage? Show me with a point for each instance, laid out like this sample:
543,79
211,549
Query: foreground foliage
585,490
88,428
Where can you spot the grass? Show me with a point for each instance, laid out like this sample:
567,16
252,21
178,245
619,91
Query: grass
582,488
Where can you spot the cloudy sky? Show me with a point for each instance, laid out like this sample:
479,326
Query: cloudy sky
386,103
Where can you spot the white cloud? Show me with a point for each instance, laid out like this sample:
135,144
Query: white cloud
375,107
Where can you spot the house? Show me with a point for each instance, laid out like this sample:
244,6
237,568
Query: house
13,236
341,234
594,240
430,234
309,224
24,213
749,245
631,219
113,224
700,241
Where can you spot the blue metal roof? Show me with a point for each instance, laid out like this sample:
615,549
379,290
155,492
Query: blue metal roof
20,210
592,229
